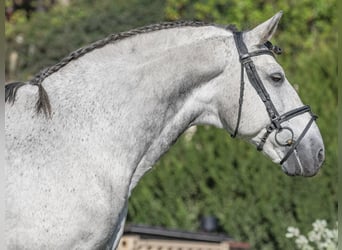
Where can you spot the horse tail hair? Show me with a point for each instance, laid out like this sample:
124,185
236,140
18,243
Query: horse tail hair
42,104
11,91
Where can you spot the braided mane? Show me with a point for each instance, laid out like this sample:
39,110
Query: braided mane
43,104
110,39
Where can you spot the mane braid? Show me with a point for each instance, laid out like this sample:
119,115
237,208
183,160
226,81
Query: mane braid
112,38
43,104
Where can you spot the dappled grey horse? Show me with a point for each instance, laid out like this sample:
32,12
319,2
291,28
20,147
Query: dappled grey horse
81,134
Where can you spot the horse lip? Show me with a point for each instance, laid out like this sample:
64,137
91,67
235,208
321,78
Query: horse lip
297,171
306,160
286,171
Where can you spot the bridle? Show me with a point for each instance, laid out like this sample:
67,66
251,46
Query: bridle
276,119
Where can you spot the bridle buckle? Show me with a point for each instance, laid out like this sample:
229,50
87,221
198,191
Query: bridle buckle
245,58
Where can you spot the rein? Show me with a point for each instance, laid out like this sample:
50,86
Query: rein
276,119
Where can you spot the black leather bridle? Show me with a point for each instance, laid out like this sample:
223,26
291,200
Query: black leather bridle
276,119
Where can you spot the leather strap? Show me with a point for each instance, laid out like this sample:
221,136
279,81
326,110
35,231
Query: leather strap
276,119
247,63
294,146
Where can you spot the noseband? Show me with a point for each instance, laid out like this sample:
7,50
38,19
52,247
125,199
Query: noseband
276,120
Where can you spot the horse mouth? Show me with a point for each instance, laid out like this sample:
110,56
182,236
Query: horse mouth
286,171
295,166
297,172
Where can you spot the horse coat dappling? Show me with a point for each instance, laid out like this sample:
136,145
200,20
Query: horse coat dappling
81,134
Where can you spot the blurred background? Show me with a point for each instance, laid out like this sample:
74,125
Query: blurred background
207,173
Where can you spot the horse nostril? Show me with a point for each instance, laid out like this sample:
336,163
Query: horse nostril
320,156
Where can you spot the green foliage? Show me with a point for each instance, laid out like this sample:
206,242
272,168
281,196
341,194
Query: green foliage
213,174
47,37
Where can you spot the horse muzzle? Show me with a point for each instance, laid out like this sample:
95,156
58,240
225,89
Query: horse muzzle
307,159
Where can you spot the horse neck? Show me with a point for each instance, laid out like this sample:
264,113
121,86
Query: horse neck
144,96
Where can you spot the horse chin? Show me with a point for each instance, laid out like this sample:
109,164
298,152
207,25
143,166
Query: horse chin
291,170
294,166
297,172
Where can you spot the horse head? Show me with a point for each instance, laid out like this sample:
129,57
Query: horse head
268,111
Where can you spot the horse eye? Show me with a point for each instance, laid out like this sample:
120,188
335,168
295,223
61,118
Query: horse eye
277,77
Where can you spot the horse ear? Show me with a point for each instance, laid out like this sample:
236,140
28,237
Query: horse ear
264,32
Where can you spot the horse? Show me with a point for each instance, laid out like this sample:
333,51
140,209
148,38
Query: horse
82,133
